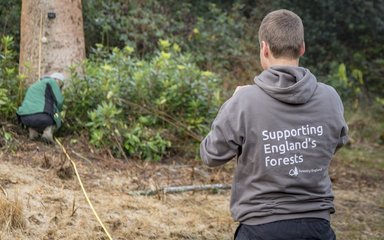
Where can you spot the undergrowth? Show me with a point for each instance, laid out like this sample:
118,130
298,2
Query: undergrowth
140,108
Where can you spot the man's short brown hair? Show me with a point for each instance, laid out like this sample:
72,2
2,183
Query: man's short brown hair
283,30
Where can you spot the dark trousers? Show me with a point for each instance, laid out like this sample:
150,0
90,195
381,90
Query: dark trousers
293,229
38,121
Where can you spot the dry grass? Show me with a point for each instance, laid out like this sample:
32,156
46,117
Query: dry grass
359,215
11,215
358,173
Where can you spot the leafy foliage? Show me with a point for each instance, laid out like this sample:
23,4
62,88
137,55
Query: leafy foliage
217,34
139,107
11,84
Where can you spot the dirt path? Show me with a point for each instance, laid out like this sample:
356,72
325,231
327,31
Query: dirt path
55,208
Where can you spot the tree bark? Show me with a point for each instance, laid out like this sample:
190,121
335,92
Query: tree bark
51,37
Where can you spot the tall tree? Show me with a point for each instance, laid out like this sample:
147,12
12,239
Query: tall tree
51,36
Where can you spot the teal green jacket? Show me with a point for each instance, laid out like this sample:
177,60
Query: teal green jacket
43,96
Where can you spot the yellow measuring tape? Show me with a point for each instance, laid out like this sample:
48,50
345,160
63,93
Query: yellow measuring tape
63,148
82,187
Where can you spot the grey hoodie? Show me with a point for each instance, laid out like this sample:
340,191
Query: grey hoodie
283,130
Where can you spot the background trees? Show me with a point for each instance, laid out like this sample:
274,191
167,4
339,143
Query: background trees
343,38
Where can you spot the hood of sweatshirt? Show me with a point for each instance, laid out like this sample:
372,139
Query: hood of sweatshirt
288,84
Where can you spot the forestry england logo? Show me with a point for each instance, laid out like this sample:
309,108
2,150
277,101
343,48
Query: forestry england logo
294,172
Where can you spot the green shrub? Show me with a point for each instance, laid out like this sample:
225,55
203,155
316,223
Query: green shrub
366,125
7,107
7,140
11,84
144,142
218,34
218,37
352,85
141,108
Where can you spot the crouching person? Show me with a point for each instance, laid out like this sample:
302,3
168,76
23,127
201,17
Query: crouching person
41,107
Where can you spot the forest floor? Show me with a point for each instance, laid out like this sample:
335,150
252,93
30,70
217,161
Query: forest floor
38,179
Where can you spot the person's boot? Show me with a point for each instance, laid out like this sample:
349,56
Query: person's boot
33,134
48,135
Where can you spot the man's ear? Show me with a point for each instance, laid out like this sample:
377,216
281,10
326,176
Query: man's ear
265,49
302,49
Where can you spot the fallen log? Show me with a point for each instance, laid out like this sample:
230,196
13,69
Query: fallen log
177,189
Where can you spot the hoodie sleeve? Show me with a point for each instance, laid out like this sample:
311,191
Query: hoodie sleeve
343,137
224,140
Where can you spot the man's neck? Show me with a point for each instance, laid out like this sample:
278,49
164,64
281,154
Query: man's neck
284,62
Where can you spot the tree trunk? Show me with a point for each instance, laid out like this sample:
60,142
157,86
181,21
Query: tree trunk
51,37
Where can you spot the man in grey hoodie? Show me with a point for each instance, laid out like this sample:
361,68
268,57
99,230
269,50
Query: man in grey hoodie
283,131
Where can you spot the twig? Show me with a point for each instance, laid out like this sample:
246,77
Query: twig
74,208
177,189
82,188
120,148
81,156
165,117
5,192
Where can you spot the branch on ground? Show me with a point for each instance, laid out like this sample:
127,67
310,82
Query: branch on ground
178,189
